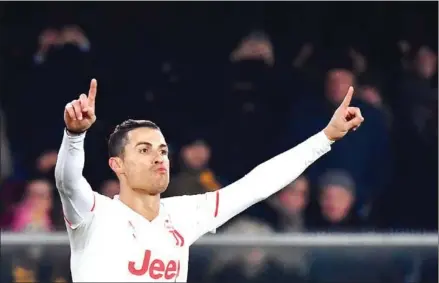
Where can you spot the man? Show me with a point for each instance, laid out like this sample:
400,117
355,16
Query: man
194,176
137,236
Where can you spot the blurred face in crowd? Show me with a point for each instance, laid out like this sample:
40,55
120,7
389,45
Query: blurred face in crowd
144,164
371,95
39,195
110,188
294,197
254,47
338,82
336,203
425,62
196,156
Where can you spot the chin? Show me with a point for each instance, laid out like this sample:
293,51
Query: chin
159,188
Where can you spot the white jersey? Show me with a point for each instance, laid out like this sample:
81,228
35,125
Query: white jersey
110,242
119,245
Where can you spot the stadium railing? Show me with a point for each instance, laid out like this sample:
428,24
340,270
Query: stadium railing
318,257
295,240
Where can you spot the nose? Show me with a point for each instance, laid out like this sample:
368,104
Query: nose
158,159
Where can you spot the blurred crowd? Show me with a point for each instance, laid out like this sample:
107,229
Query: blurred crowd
230,85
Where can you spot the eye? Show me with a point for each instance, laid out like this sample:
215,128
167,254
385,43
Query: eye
143,150
164,152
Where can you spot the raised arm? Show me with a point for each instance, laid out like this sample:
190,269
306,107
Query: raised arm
274,174
77,197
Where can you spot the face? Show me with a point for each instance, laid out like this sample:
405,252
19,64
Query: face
196,156
145,164
336,202
338,82
426,62
39,195
294,197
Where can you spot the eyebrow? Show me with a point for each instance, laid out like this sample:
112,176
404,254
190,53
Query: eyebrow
149,144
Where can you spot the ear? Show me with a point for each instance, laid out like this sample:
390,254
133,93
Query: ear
116,164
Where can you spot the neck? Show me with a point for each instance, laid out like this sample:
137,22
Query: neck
141,202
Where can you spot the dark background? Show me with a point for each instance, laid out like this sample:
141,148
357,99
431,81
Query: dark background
170,62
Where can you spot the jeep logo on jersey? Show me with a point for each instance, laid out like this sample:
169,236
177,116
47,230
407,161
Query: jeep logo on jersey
156,268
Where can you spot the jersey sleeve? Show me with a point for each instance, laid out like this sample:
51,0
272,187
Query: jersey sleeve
77,197
194,215
206,212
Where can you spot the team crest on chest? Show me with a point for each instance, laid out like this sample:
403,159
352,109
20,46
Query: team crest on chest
179,240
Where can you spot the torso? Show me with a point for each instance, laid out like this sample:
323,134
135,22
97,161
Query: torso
123,246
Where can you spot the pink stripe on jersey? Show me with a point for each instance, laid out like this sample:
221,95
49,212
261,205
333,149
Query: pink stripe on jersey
215,214
91,210
94,203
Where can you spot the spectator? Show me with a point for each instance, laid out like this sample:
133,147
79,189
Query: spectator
180,69
48,39
33,212
244,106
194,176
288,206
336,199
51,38
255,46
370,167
110,188
45,164
415,109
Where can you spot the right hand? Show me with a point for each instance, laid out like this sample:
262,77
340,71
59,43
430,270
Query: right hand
79,114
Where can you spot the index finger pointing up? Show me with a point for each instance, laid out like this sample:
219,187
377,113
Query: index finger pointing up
347,99
92,92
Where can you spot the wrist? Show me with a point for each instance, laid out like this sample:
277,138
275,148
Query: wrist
73,133
328,135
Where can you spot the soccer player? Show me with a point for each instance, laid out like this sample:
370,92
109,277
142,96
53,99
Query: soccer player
139,237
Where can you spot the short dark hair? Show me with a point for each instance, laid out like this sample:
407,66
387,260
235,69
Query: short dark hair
118,139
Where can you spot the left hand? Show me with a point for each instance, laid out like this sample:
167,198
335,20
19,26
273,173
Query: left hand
345,119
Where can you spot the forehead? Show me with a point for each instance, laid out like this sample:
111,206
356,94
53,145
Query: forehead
336,189
300,185
340,73
148,135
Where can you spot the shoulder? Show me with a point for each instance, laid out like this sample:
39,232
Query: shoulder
173,204
183,206
181,200
102,202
